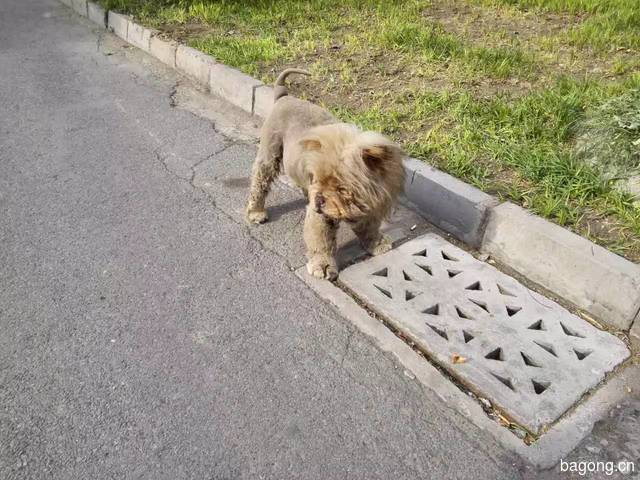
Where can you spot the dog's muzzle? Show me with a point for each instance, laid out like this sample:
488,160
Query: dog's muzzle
320,203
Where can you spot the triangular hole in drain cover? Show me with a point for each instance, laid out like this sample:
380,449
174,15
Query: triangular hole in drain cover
453,273
540,386
495,355
446,256
426,268
406,276
511,311
439,331
474,286
467,336
570,332
581,354
381,273
528,361
504,291
482,305
383,291
462,314
537,325
409,295
547,348
505,381
433,309
421,253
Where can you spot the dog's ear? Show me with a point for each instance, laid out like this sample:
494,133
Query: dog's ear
311,143
375,156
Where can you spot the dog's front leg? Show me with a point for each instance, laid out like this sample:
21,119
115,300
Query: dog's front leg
320,239
371,239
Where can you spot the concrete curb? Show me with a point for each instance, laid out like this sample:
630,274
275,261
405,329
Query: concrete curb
194,64
80,6
118,24
163,50
454,206
97,14
233,85
634,333
139,36
262,101
591,277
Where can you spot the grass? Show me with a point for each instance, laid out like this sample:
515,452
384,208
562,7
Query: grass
607,24
536,101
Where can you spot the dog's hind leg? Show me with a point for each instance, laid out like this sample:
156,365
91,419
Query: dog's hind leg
265,170
371,239
320,239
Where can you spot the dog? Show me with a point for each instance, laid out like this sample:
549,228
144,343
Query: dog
348,175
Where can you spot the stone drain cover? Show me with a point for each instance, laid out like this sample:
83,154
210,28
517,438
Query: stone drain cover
524,352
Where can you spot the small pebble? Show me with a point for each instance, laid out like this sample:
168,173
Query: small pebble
592,449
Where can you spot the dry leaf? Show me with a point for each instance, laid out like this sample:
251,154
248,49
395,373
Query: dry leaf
455,358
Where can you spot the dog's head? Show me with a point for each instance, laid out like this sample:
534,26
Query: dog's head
351,174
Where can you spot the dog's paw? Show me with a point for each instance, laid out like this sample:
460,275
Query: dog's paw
383,245
323,269
257,216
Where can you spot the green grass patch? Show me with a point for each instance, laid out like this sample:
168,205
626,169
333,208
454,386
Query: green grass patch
609,136
432,43
608,24
243,53
521,149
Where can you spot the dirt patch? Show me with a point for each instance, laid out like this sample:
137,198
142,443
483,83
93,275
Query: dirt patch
608,233
480,23
183,32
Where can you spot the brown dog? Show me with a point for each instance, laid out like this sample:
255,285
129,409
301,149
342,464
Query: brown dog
347,174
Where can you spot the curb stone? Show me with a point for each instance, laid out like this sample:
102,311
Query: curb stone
451,204
454,206
139,36
118,24
233,85
194,64
591,277
634,333
163,50
262,101
562,438
80,7
97,14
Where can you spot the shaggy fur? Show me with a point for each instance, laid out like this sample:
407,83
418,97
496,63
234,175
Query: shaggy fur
347,174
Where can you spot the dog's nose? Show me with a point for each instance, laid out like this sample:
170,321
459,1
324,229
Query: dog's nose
320,202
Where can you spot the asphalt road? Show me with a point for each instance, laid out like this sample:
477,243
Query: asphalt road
145,332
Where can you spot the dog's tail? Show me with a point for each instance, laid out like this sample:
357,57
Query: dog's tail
279,88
